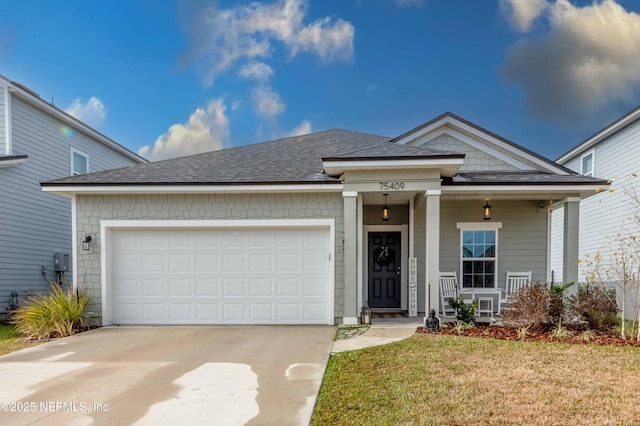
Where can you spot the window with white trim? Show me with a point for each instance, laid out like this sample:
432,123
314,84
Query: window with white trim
586,164
79,162
478,254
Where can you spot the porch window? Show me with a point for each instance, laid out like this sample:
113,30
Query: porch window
478,258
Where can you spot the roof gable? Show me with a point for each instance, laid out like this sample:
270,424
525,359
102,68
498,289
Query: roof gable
613,128
506,155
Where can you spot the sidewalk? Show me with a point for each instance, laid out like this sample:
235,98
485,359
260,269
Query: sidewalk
380,333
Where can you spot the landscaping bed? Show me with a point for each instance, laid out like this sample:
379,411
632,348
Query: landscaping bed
535,334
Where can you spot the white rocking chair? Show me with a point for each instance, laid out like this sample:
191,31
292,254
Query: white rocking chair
515,281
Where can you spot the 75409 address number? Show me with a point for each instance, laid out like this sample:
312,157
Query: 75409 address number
391,186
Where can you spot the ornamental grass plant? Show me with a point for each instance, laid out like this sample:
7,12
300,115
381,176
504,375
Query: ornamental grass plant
56,314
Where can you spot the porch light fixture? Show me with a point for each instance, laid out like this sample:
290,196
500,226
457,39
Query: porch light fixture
85,242
385,209
487,211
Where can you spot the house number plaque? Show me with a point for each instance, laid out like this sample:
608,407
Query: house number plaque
413,287
391,186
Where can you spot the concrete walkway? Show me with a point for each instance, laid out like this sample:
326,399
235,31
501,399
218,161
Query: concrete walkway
378,334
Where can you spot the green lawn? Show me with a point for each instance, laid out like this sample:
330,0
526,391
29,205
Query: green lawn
10,340
450,380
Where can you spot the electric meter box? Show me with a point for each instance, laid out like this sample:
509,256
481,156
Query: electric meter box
61,261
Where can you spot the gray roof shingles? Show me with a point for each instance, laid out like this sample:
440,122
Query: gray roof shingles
295,160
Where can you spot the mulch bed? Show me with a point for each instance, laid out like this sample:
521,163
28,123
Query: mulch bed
535,334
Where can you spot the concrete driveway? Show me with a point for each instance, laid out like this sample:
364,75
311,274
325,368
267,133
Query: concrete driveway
231,375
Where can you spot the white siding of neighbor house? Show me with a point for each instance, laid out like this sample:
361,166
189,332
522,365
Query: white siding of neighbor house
92,209
522,240
605,215
35,224
3,136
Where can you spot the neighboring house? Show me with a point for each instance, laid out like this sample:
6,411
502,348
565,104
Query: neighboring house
291,231
40,142
612,153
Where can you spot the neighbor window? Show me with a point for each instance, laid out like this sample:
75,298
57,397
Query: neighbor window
79,162
479,254
587,164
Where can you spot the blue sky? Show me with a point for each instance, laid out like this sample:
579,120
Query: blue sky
168,78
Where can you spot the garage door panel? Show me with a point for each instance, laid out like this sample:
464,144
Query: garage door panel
153,263
288,262
233,262
207,313
180,313
234,312
207,263
261,313
288,287
153,313
180,287
207,287
125,263
220,276
179,263
152,287
261,287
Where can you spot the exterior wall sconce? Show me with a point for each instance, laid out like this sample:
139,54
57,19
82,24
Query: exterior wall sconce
85,242
487,211
385,209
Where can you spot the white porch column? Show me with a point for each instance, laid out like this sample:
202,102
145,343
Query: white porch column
571,234
350,257
432,245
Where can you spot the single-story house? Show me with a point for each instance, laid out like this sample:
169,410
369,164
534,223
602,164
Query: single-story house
292,231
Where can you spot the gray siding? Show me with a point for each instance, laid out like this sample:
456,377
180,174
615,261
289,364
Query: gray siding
92,209
34,224
522,240
474,160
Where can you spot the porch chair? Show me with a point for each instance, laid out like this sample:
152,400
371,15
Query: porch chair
448,291
515,281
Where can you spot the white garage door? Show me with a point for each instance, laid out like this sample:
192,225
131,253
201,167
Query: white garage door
220,276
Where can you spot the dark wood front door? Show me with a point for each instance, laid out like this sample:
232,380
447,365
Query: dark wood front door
384,270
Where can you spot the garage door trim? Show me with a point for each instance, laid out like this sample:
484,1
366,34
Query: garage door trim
107,226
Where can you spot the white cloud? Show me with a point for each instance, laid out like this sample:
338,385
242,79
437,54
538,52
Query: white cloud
256,70
409,3
266,101
205,130
588,59
222,37
303,128
92,112
522,13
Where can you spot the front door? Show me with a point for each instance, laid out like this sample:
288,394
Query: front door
384,270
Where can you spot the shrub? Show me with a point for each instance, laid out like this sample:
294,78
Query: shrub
528,307
596,305
556,303
57,314
464,313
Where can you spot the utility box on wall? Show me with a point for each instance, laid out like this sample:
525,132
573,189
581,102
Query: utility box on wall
61,261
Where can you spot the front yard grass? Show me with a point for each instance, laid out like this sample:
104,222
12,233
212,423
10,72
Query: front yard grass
450,380
10,340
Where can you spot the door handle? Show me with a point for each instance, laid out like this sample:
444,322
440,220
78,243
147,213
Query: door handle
398,271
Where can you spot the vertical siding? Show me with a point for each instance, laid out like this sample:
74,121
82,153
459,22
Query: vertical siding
34,224
522,240
92,209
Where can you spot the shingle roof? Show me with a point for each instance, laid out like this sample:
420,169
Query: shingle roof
523,177
296,160
291,160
